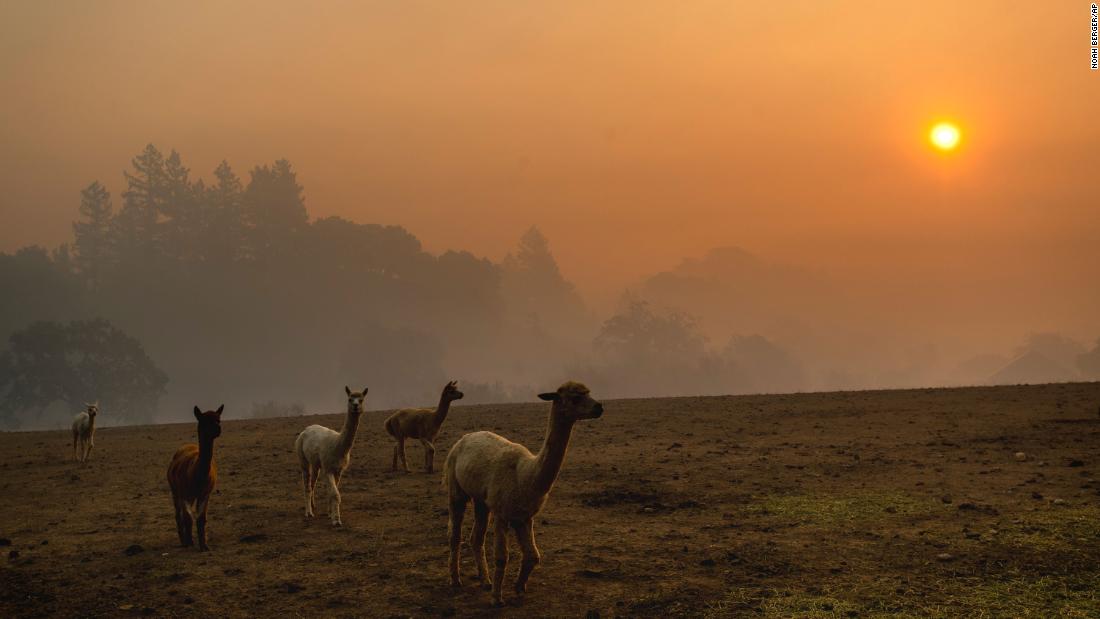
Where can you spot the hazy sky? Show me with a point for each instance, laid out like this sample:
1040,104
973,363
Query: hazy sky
634,133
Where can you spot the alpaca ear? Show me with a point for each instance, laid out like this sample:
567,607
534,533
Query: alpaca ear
346,390
364,392
198,413
219,411
550,397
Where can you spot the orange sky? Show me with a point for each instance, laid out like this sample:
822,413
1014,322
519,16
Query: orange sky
634,133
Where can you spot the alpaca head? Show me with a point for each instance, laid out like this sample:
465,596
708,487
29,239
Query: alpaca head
573,402
355,400
451,392
210,422
92,409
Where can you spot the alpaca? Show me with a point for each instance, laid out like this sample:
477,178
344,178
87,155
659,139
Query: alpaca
84,431
422,424
506,480
192,475
327,453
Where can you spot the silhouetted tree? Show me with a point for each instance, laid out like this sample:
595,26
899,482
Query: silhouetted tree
134,230
225,231
181,215
92,234
76,362
535,288
644,352
640,333
274,208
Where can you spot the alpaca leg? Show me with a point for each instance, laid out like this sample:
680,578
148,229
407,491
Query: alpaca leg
314,475
307,485
401,452
396,453
91,443
200,524
185,526
179,519
458,511
429,454
75,457
525,535
500,542
477,541
334,500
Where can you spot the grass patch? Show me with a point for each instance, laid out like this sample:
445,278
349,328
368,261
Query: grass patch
830,510
1048,596
1055,528
1070,597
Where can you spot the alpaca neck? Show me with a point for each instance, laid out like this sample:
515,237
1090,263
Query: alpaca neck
441,411
552,455
206,458
347,433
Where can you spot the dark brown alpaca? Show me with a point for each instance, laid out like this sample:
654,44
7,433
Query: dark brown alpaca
192,475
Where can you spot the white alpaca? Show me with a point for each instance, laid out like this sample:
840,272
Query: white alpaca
84,431
506,480
327,453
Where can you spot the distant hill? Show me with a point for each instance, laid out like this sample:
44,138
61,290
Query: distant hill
1033,367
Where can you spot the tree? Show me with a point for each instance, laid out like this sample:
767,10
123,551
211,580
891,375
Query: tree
92,234
180,215
534,257
274,207
134,230
542,310
534,285
225,226
80,361
643,352
640,333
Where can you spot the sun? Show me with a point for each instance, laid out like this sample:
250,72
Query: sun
944,136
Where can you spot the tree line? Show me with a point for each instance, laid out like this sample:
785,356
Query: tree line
230,291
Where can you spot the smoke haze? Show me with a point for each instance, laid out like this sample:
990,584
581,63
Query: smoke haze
725,198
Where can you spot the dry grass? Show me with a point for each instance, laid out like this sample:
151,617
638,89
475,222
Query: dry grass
869,504
877,509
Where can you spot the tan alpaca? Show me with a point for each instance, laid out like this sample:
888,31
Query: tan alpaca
506,480
422,424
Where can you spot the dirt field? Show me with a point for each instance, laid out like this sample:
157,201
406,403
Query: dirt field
840,504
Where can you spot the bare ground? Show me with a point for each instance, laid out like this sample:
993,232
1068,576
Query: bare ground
818,505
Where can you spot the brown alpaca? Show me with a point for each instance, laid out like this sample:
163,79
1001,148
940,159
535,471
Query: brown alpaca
192,475
422,424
